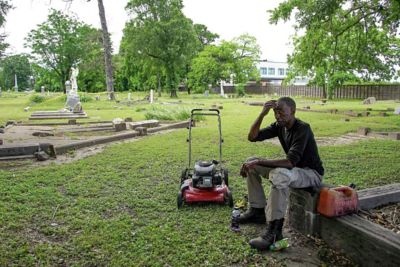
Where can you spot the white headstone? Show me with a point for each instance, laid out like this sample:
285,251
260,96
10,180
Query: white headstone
129,96
151,95
222,88
42,90
397,111
16,83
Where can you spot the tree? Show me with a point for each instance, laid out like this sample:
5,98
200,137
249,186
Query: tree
16,65
4,8
162,38
107,49
215,63
343,40
61,42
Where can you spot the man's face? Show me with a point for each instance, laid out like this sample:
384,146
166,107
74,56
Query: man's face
283,114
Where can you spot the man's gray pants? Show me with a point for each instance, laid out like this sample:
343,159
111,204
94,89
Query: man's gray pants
281,179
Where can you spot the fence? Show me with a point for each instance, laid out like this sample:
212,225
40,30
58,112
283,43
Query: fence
381,92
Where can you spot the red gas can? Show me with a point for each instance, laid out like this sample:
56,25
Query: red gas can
337,201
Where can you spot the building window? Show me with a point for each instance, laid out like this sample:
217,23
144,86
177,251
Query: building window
281,71
263,71
271,71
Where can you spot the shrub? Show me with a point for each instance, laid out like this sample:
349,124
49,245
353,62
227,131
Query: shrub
85,98
37,98
179,114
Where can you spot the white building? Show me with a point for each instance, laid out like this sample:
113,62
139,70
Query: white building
274,72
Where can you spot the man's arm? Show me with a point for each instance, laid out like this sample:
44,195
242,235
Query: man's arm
255,128
272,163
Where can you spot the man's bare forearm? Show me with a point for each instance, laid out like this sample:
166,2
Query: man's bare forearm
255,128
275,163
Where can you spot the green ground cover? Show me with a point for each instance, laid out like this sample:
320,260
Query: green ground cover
118,208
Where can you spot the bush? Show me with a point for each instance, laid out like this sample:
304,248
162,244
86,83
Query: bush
169,115
85,98
37,98
240,90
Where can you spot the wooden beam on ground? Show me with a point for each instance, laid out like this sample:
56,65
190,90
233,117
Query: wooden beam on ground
378,196
365,242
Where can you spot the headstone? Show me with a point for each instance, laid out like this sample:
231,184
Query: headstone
42,90
151,95
363,131
129,96
369,100
395,136
222,88
97,98
141,130
27,109
119,124
397,111
0,91
16,83
206,93
72,101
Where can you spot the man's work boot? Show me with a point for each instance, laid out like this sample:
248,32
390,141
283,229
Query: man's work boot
273,234
253,215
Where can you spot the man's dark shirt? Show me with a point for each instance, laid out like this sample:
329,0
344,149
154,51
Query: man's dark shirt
298,143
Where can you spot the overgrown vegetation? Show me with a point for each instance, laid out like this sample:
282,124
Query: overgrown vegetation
37,98
118,208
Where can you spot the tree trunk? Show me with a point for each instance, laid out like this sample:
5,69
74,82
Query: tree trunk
159,84
107,51
173,93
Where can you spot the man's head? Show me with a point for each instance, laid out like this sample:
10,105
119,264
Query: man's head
284,111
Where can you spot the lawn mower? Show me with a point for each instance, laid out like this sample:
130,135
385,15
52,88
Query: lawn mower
208,180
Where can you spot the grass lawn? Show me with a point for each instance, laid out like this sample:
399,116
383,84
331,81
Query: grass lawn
118,208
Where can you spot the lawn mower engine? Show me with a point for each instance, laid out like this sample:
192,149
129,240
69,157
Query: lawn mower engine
206,174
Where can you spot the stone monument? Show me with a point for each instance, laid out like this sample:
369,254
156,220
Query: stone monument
71,87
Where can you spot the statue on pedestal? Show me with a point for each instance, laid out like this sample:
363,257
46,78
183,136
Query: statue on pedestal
73,101
73,80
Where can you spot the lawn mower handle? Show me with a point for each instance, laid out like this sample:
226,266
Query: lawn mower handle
204,112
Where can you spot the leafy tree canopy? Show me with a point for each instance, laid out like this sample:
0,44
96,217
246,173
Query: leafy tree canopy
218,62
343,39
63,41
15,65
161,38
5,6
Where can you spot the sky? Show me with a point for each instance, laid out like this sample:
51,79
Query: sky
228,18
